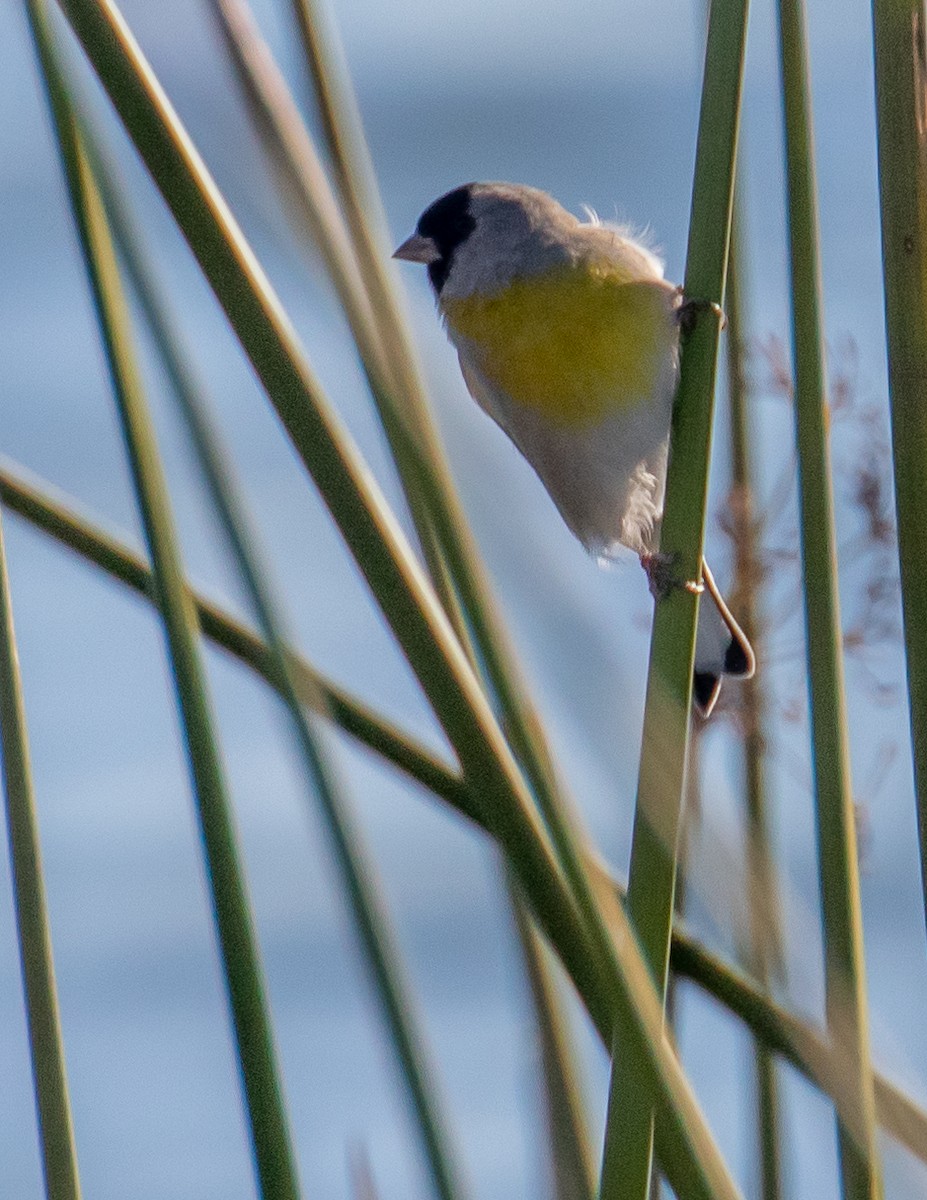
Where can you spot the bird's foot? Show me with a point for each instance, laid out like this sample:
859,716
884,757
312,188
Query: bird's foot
689,309
662,578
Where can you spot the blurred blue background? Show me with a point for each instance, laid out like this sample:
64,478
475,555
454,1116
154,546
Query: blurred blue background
598,105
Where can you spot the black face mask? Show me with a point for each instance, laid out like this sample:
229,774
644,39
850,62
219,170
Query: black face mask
448,223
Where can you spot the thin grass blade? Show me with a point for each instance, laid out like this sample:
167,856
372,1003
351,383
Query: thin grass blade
363,1186
454,564
293,152
901,112
806,1049
357,189
49,1074
570,1151
838,866
627,1156
265,333
358,507
764,953
300,172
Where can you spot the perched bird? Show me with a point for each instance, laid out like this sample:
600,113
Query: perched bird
568,337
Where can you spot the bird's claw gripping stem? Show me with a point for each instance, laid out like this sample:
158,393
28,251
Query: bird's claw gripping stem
689,308
662,579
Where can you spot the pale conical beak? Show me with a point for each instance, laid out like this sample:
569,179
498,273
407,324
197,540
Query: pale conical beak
418,249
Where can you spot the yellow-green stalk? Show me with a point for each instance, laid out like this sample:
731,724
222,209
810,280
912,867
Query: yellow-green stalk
901,111
49,1073
627,1156
838,867
569,1150
375,319
764,951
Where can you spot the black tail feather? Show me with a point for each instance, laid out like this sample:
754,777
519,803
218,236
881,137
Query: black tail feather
738,658
705,688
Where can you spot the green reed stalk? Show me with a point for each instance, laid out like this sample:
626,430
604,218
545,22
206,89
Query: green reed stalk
360,884
301,174
49,1074
838,867
691,819
764,953
627,1156
363,1186
274,1159
56,1131
901,87
688,830
567,1138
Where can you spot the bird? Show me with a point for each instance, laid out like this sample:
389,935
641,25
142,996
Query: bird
568,336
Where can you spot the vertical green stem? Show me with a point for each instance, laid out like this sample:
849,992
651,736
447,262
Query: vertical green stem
901,110
767,1110
688,832
764,952
59,1155
569,1151
629,1129
688,828
837,856
275,1162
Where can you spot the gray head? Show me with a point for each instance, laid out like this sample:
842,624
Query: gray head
481,234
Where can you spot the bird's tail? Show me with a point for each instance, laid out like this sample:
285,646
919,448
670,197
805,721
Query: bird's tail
721,648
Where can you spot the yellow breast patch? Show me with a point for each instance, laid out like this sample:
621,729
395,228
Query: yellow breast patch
576,343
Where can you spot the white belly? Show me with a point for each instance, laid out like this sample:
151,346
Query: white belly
607,480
